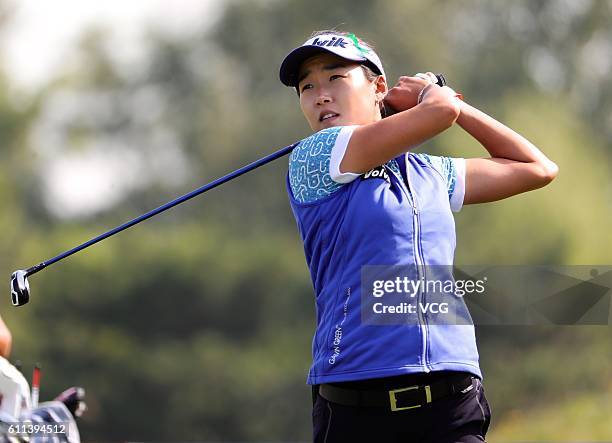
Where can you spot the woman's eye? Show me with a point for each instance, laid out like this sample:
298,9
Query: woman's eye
333,77
306,86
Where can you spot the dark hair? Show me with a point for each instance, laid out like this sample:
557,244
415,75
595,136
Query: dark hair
369,72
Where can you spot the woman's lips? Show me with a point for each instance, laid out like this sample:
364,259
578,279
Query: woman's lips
326,119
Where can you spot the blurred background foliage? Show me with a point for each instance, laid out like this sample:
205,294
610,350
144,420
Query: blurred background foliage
197,325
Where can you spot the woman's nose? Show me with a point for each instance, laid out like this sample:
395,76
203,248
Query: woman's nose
323,98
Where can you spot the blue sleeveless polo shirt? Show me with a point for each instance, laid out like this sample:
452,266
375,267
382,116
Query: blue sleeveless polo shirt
396,215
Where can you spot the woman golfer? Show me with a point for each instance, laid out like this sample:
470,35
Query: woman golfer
375,219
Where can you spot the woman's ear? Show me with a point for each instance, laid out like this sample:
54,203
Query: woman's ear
381,88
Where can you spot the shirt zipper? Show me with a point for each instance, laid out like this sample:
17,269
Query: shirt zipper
420,264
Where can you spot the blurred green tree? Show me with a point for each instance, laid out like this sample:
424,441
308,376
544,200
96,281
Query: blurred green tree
197,324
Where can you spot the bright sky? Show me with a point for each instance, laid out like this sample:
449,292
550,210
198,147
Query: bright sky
37,39
41,32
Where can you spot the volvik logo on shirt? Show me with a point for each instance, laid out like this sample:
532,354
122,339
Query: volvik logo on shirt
378,172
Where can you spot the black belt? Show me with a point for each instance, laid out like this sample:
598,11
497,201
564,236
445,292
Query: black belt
399,399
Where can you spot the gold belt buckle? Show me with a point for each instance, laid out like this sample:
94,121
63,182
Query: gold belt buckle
393,400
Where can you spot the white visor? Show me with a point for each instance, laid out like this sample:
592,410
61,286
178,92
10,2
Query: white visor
344,46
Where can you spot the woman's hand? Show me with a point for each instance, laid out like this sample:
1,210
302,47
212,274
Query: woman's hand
410,91
437,111
405,93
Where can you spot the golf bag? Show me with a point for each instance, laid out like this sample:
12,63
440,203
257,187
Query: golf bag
49,422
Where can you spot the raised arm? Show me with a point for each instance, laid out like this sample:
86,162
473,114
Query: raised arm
376,143
515,165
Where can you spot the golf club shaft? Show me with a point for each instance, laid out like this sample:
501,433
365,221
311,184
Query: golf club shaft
280,153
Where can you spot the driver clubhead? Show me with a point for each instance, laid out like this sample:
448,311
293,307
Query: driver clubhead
20,288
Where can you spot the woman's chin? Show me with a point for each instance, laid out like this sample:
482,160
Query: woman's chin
330,123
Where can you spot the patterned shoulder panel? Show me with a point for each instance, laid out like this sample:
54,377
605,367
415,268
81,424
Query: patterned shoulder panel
392,164
444,165
309,167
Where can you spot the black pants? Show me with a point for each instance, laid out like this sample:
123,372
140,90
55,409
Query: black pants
456,418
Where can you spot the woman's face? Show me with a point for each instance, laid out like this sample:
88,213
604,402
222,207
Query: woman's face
336,92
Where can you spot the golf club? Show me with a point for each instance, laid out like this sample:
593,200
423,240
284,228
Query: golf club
20,287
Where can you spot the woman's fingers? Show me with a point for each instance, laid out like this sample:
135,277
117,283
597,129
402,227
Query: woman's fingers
405,93
428,76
